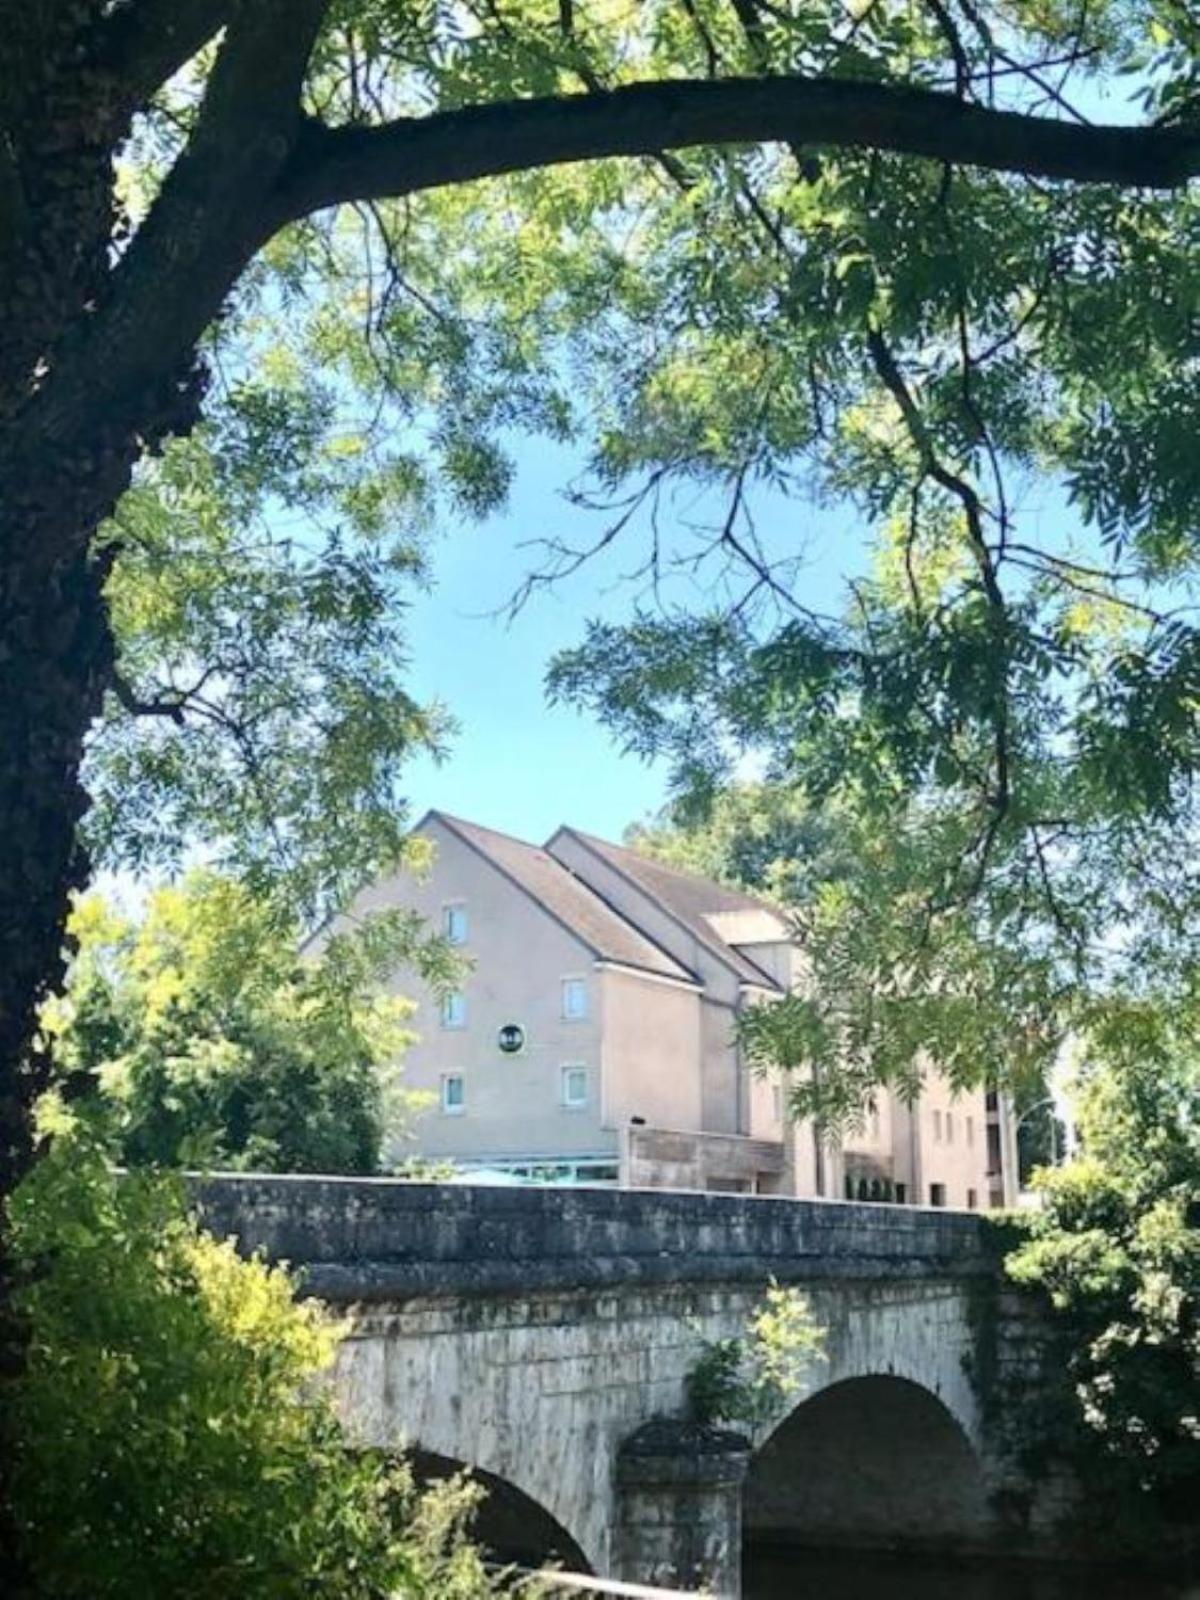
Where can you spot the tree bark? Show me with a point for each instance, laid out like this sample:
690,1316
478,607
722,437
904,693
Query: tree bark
55,655
97,366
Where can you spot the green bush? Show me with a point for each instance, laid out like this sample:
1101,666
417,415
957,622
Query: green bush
173,1439
1116,1249
214,1044
748,1379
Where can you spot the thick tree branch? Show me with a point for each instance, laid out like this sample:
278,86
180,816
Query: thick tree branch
202,230
335,165
145,42
255,162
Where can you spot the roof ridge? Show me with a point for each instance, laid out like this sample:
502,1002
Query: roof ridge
482,827
725,951
678,872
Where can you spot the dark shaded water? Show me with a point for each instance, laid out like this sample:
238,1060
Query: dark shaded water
780,1574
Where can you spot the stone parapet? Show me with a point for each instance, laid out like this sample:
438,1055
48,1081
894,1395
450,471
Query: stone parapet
361,1239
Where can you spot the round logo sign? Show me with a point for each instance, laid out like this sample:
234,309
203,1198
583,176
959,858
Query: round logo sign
511,1038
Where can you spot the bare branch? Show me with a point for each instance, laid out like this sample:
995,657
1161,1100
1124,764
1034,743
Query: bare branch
893,380
132,702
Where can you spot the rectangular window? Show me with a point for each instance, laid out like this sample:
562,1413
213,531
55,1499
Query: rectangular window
454,1010
937,1194
574,999
937,1126
454,1094
777,1101
574,1088
971,1131
454,924
972,1200
949,1127
901,1194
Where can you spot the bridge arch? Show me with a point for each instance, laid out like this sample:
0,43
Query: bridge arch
511,1525
874,1462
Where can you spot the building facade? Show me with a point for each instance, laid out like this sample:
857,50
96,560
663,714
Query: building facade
594,1038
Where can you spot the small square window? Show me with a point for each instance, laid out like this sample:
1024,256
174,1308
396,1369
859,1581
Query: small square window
454,1094
574,999
574,1088
454,924
454,1010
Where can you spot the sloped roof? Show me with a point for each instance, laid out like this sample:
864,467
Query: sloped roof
687,898
569,900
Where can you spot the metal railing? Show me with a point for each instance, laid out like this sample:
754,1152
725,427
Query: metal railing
552,1583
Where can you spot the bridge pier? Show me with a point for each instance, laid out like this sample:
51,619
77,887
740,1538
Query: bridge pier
679,1507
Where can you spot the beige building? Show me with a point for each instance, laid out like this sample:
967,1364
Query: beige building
594,1039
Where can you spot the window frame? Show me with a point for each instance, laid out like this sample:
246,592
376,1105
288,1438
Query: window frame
447,1020
451,908
566,1071
565,985
449,1109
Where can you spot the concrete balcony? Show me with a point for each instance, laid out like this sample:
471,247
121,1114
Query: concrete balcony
668,1158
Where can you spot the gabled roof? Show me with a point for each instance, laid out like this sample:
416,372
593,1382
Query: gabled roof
688,899
566,898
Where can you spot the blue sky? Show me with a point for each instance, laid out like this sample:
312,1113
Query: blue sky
517,763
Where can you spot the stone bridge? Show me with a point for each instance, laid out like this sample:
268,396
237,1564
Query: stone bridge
532,1334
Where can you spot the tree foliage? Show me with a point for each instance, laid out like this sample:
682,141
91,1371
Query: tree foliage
174,1437
916,341
214,1042
764,838
1116,1248
749,1378
888,987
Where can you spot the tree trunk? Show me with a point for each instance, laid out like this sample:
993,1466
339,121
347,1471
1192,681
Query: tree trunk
55,658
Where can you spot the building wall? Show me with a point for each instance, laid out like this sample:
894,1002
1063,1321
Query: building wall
719,982
520,954
953,1146
766,1103
650,1051
723,1108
